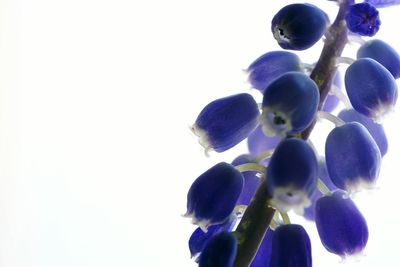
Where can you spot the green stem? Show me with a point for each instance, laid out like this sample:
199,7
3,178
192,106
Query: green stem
258,215
248,167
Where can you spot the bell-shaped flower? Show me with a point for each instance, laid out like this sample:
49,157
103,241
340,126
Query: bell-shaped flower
376,130
341,227
227,121
371,88
291,247
289,105
383,53
299,26
270,66
251,179
292,175
352,157
219,251
213,195
199,238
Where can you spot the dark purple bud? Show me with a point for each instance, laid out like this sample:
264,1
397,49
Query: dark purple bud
383,53
363,18
199,238
289,104
299,26
227,121
376,130
251,179
263,255
352,157
219,251
270,66
341,227
292,175
213,195
371,88
291,247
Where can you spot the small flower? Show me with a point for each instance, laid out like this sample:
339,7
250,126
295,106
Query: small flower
341,227
363,18
270,66
291,247
227,121
199,238
289,105
383,53
352,157
213,195
371,88
299,26
292,175
219,251
376,130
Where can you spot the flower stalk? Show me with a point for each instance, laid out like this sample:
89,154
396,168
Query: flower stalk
258,215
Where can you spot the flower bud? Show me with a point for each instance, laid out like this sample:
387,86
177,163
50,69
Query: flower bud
199,238
363,18
371,88
219,251
227,121
292,175
376,130
213,195
270,66
289,105
291,247
341,227
299,26
383,53
352,157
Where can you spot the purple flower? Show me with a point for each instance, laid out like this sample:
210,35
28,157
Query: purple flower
363,18
341,227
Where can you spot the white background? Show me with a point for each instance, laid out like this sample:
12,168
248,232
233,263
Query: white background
96,97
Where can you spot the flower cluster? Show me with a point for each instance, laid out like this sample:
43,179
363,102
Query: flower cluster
282,170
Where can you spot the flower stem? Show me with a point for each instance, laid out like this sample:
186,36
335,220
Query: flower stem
258,215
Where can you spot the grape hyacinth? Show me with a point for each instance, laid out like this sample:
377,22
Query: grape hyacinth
242,208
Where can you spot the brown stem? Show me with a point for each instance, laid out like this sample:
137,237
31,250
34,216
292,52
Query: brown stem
258,215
